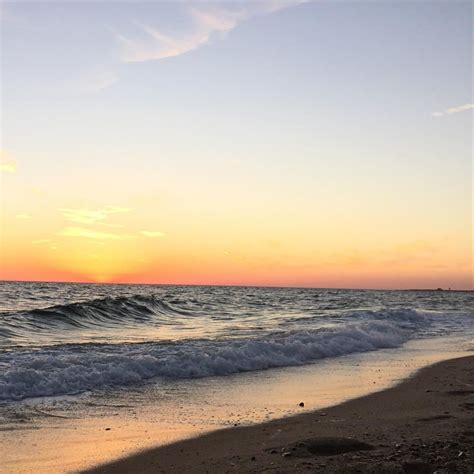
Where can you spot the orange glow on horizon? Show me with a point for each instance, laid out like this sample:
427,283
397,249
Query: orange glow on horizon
145,148
135,264
227,260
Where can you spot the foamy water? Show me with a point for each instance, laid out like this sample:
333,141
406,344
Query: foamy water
64,339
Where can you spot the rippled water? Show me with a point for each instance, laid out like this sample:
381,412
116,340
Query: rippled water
63,338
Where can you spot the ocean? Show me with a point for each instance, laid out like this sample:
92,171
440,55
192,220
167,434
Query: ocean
93,372
63,339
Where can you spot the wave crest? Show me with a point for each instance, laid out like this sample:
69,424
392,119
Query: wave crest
73,369
103,312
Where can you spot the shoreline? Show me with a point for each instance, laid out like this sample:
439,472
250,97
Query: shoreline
423,424
79,433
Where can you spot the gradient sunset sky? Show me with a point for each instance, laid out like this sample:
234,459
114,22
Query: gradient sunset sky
323,144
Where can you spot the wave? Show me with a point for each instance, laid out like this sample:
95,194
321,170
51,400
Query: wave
103,312
72,369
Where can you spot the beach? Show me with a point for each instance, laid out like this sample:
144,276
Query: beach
236,236
424,424
96,373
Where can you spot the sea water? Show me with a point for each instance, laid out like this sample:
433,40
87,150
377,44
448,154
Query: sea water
91,372
64,339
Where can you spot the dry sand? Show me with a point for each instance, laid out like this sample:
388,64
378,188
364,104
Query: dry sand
424,424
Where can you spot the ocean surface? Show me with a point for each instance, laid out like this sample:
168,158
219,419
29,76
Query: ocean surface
59,339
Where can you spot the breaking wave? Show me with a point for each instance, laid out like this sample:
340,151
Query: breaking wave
72,369
102,343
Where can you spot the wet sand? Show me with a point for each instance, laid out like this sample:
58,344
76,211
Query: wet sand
424,424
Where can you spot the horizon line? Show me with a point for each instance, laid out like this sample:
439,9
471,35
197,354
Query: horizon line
236,286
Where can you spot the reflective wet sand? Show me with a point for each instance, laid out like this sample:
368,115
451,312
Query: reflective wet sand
71,433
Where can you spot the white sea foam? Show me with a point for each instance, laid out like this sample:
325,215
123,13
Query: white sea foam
73,369
66,339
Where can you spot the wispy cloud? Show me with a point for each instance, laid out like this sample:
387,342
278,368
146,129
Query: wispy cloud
152,233
453,110
90,234
7,165
101,81
205,22
91,216
37,191
45,242
23,216
41,241
108,224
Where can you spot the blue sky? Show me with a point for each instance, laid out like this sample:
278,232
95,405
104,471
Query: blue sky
347,108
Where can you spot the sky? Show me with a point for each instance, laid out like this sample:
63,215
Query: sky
275,143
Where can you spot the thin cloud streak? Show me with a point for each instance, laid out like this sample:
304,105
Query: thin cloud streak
7,165
152,233
102,81
83,232
205,23
91,216
453,110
